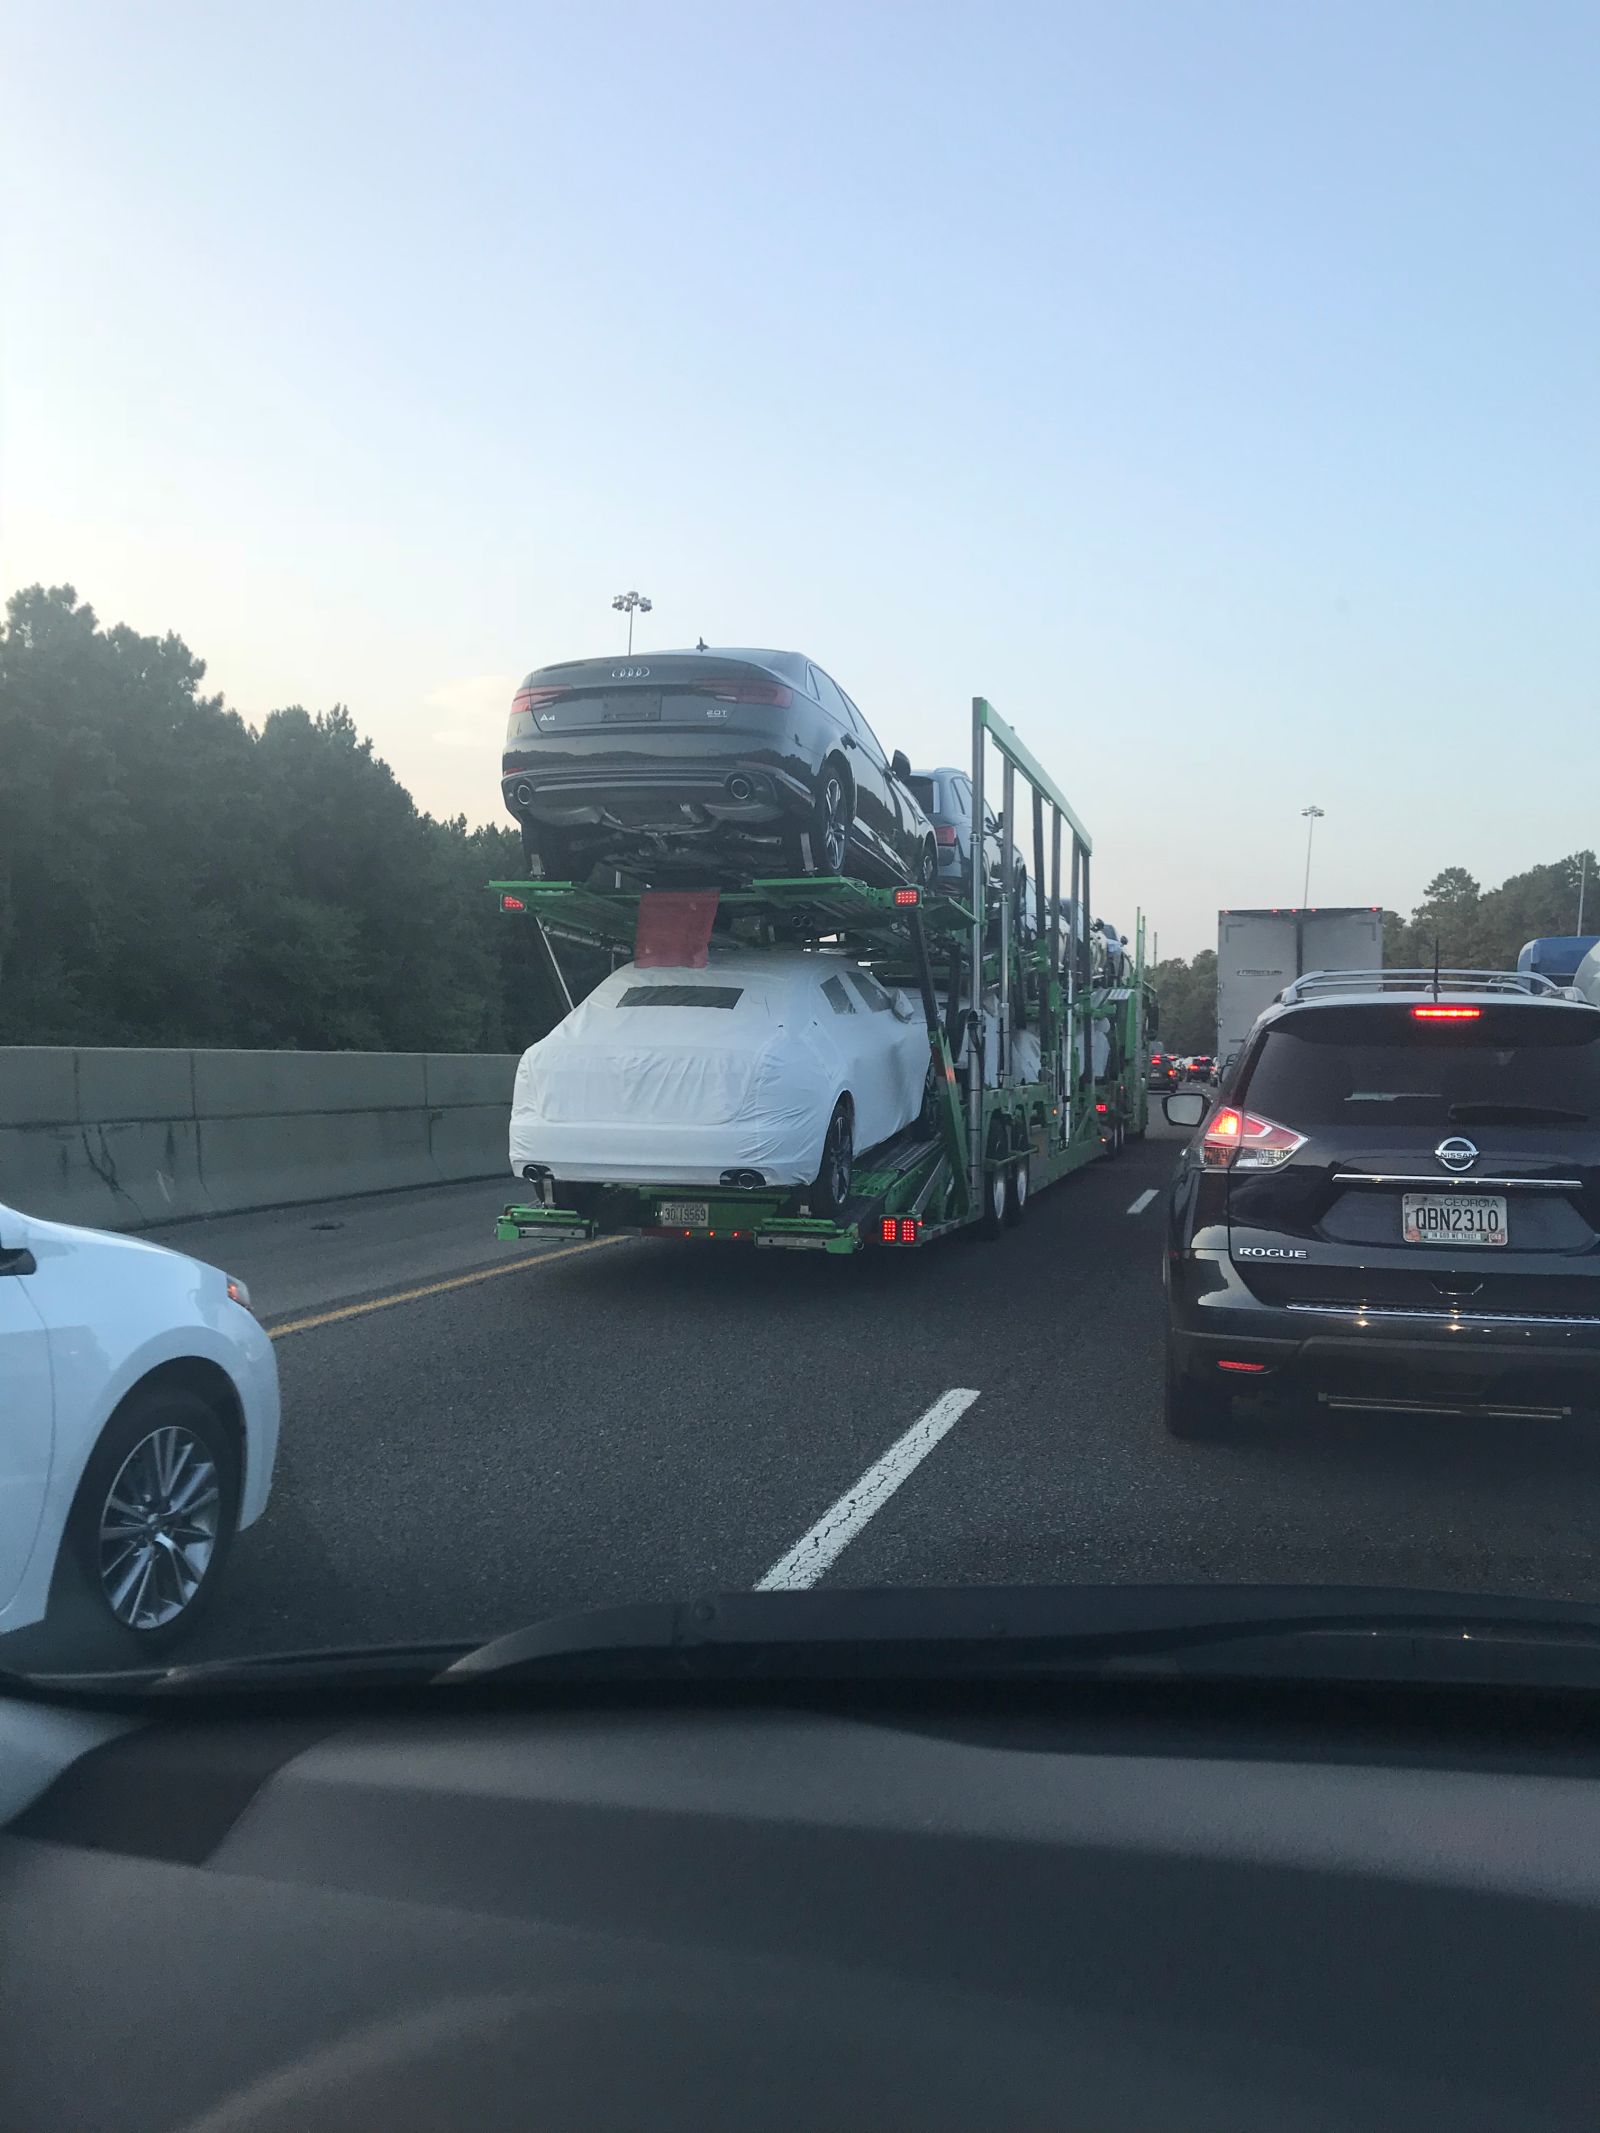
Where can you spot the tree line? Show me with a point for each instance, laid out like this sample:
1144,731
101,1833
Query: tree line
170,875
1472,928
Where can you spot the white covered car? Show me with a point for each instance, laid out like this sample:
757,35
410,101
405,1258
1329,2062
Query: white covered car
139,1404
766,1068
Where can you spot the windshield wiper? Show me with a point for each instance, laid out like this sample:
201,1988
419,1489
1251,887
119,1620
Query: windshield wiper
1510,1114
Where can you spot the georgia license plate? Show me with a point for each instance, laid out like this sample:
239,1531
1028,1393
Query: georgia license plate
1454,1218
683,1214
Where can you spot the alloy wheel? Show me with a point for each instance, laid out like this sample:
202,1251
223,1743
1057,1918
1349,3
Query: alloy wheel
158,1528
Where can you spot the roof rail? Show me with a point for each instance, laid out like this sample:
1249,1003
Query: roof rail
1317,982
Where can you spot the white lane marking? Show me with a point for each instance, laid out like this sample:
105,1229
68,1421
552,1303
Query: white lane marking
841,1522
1143,1201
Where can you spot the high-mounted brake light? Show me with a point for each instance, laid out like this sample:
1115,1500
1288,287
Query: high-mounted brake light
1446,1014
1239,1140
512,903
945,833
908,896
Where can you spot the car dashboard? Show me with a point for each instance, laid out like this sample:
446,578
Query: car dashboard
785,1911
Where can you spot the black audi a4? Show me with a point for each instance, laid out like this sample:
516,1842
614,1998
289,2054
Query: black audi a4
701,763
1394,1204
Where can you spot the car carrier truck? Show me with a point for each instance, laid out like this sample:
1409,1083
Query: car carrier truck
990,1138
1260,952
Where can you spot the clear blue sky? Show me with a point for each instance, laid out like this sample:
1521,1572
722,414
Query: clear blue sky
1214,387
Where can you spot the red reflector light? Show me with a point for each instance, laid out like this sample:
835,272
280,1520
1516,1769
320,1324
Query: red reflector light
1250,1369
908,896
945,833
512,903
1446,1014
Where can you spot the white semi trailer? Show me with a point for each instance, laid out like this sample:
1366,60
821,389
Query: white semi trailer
1259,952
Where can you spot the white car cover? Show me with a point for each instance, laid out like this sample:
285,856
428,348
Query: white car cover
673,1077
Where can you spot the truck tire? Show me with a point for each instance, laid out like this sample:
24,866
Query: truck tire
1016,1192
996,1183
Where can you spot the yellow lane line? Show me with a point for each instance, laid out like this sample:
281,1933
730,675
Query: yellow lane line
435,1288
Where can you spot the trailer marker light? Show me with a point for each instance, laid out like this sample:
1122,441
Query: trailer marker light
512,903
1100,1107
908,896
1250,1369
889,1231
1446,1014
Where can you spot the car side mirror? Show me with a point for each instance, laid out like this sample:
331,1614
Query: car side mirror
17,1260
1187,1108
900,764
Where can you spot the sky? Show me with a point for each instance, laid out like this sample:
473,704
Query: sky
1213,387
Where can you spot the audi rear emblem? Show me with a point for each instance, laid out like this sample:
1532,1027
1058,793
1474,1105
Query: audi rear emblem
1456,1153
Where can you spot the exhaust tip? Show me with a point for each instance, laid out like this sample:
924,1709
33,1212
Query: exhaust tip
739,787
748,1180
522,793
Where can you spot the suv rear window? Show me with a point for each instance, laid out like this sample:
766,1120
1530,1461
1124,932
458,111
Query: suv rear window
682,996
926,798
1350,1066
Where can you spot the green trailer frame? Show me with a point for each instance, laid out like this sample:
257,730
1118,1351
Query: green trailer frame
994,1139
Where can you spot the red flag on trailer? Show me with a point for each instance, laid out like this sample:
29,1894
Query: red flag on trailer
674,928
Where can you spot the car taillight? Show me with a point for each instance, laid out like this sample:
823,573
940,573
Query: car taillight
1239,1140
746,692
1155,1059
945,833
535,699
1445,1014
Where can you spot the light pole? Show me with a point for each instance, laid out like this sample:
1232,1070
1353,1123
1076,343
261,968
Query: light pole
1313,816
630,604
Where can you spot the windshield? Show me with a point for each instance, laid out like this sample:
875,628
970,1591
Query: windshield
510,1101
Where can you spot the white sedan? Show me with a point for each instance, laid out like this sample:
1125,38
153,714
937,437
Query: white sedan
769,1067
140,1411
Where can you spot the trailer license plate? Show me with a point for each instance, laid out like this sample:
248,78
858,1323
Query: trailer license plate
1454,1218
684,1214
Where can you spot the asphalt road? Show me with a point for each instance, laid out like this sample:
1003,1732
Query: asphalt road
476,1435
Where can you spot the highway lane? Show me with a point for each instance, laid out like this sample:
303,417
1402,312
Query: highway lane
648,1421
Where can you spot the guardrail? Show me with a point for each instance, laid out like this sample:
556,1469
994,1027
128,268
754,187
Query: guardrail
121,1139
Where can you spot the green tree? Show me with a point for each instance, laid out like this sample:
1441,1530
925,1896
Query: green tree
170,876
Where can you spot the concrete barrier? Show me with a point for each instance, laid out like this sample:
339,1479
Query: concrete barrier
121,1139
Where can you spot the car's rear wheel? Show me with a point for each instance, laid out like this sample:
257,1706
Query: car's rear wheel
1194,1407
928,867
837,1171
148,1533
832,812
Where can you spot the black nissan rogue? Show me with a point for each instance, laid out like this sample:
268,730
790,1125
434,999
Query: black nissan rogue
1394,1203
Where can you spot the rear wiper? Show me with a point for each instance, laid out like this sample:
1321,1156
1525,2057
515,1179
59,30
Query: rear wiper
1507,1114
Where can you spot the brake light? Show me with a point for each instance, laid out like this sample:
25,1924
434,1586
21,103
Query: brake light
1250,1369
945,833
908,896
898,1229
512,903
1155,1059
534,699
1100,1108
1239,1140
1445,1014
745,692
